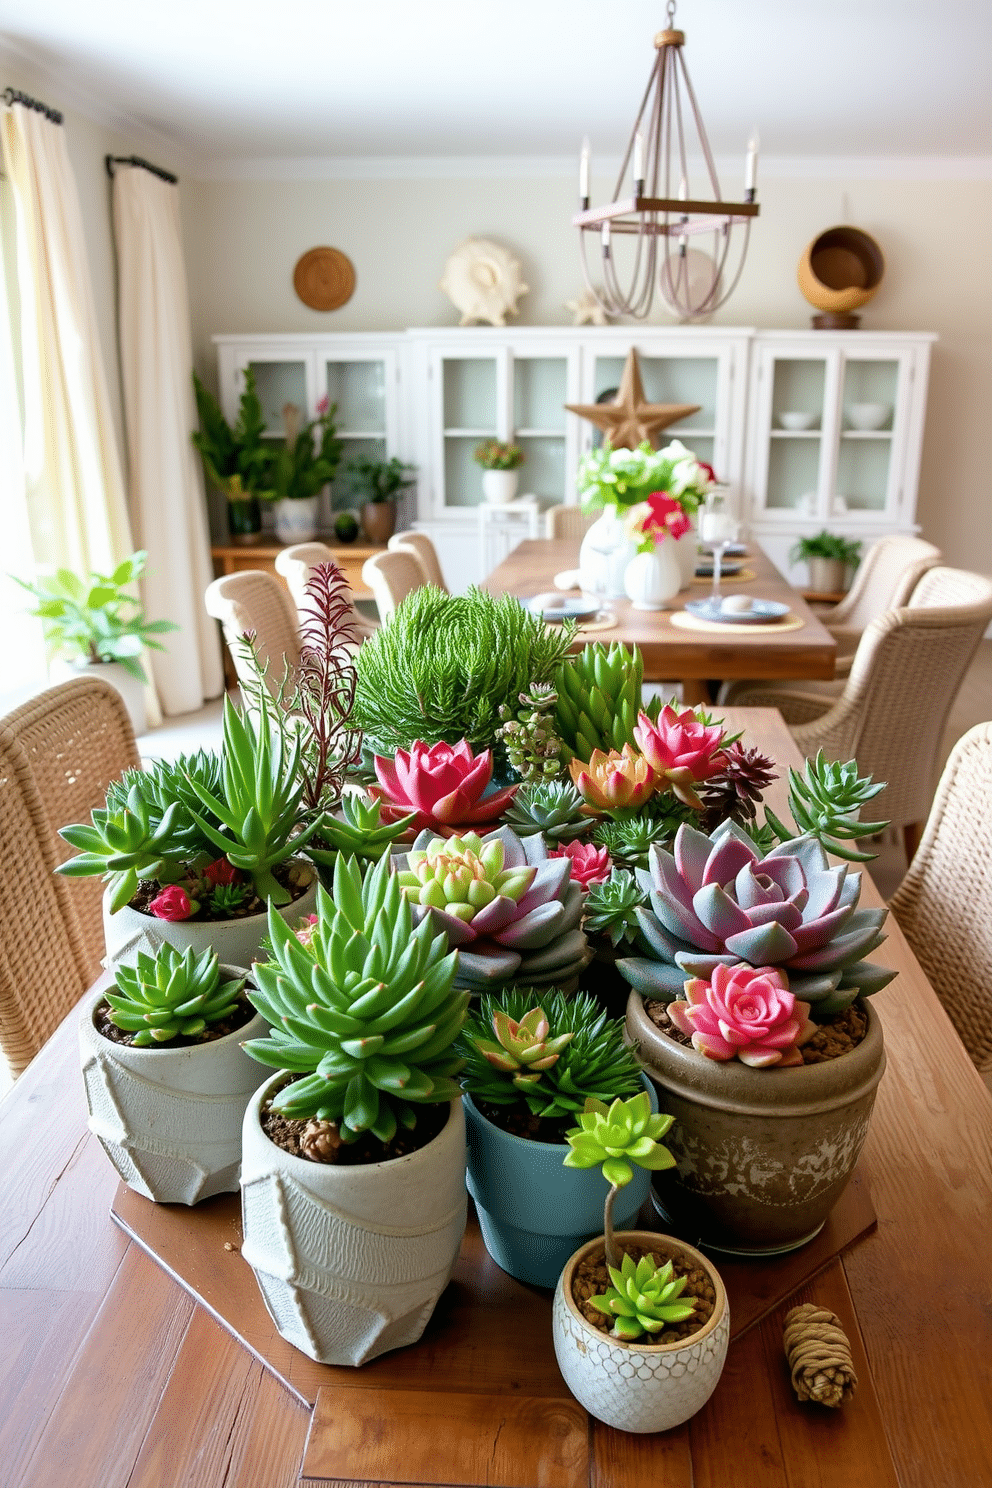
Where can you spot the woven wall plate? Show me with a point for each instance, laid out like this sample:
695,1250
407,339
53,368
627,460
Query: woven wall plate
324,278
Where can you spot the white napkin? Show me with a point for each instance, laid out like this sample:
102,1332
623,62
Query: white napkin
567,579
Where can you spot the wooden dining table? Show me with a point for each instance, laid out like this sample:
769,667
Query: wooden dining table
693,657
114,1375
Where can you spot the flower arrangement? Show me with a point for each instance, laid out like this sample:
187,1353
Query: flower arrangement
309,459
651,521
626,478
493,454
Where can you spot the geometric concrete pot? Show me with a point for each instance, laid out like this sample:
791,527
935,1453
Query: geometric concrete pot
640,1386
762,1155
170,1119
351,1260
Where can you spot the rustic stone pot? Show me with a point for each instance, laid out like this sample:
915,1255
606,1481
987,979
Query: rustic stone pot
640,1386
762,1155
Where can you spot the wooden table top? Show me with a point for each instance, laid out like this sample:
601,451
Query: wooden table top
112,1377
671,654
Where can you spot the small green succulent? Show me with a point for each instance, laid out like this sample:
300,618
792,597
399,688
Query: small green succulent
611,907
170,995
528,734
523,1050
226,899
554,808
825,800
358,832
599,698
643,1298
618,1138
629,839
126,844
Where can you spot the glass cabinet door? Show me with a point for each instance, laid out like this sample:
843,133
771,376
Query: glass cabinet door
795,454
280,380
864,458
357,388
540,392
470,394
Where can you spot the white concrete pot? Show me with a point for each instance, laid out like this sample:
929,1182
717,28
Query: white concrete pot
687,553
130,689
236,942
499,486
296,518
351,1260
170,1119
640,1386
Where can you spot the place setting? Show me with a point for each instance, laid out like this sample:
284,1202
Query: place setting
728,612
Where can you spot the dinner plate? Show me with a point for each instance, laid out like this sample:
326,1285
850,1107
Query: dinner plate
732,550
761,612
729,567
564,608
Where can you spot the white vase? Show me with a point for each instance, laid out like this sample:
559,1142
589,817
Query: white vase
653,578
170,1119
120,679
351,1260
499,486
604,555
296,518
687,553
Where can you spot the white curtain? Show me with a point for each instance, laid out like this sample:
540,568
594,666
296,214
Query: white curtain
166,478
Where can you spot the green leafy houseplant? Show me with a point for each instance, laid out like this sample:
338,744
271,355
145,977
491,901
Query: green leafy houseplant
375,481
492,454
236,461
94,620
309,459
826,545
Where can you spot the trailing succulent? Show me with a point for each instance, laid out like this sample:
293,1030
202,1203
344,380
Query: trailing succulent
528,734
644,1298
173,994
549,1052
365,1012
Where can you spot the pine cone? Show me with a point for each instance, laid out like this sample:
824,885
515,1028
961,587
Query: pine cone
819,1355
319,1141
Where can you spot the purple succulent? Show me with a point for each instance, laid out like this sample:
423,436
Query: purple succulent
715,901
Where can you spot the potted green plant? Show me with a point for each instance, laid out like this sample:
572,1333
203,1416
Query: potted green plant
500,463
94,624
532,1058
307,461
353,1174
641,1323
167,1081
239,461
828,557
374,485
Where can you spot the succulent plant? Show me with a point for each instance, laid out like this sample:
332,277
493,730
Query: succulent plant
825,800
599,698
166,782
715,900
513,913
170,995
737,788
617,1138
359,831
443,787
581,1053
532,746
746,1013
366,1012
619,781
611,907
554,808
644,1298
680,750
628,839
126,844
590,865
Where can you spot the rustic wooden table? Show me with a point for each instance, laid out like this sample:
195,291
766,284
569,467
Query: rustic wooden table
113,1377
688,656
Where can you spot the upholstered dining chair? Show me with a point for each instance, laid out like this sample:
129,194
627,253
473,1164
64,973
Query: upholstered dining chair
391,577
944,904
891,712
296,564
562,522
420,545
58,754
257,602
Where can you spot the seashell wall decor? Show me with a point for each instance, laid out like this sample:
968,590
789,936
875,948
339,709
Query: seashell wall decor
483,280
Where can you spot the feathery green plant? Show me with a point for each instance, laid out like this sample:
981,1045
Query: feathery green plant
170,995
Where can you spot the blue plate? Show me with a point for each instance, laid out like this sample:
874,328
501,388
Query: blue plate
760,613
729,567
563,608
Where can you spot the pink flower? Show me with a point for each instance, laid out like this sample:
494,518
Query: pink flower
323,404
666,517
590,864
442,785
221,871
681,750
305,930
173,903
745,1012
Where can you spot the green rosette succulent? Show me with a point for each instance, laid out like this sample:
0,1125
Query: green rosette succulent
170,995
825,801
611,907
553,808
644,1298
366,1011
628,840
126,844
358,832
599,699
617,1138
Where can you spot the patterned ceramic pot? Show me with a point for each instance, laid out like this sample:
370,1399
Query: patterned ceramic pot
640,1386
297,518
351,1260
170,1119
762,1155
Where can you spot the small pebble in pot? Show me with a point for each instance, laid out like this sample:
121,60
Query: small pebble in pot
737,604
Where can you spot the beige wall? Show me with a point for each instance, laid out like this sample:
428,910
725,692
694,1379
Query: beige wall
244,237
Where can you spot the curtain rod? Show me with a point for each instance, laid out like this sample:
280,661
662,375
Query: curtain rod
111,160
14,95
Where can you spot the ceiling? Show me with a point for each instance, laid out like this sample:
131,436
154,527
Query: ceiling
325,79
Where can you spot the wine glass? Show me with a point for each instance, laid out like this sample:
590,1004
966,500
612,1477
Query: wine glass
717,528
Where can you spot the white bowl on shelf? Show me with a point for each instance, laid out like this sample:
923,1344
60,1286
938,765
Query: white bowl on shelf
797,420
868,416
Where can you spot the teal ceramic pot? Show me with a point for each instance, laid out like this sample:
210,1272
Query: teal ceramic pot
534,1212
245,520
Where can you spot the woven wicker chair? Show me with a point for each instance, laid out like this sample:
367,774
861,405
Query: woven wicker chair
256,602
944,904
891,713
420,545
58,754
562,522
391,577
295,564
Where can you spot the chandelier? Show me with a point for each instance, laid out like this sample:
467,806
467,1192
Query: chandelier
663,214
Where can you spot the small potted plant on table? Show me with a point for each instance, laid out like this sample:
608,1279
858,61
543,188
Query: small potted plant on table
307,462
236,461
828,557
500,463
375,485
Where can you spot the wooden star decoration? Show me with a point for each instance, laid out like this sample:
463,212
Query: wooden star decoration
630,418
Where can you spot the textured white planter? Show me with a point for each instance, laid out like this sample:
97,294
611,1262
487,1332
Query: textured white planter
499,486
653,579
170,1119
236,942
130,689
604,555
351,1260
640,1386
296,518
687,553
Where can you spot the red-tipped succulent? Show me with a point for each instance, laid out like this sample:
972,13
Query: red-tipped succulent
443,785
746,1013
680,750
590,864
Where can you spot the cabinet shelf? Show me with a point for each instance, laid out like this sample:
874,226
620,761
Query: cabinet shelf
866,434
795,433
539,434
470,434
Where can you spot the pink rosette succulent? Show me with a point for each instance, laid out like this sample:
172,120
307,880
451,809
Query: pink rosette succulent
442,785
173,904
745,1013
590,864
220,873
681,750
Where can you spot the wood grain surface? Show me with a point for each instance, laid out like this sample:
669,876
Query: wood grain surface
111,1377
